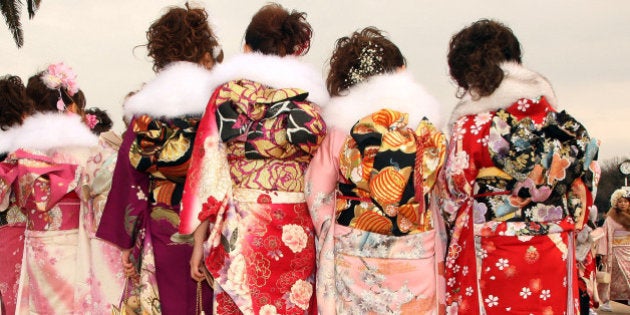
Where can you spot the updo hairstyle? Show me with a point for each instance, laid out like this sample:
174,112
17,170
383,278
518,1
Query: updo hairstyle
475,55
274,30
14,103
44,98
182,34
363,54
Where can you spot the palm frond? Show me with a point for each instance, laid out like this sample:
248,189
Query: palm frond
32,6
11,12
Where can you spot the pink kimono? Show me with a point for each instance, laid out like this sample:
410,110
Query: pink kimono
12,225
369,190
46,189
105,273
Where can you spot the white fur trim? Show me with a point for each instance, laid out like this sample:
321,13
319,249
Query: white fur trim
274,71
44,131
181,88
518,82
397,91
5,140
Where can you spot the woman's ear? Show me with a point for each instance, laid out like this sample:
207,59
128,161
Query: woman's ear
247,48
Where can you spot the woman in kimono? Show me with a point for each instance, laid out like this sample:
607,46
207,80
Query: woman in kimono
44,172
153,163
104,270
517,183
15,107
369,186
258,134
614,247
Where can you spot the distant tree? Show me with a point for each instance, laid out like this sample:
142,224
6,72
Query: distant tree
610,180
11,10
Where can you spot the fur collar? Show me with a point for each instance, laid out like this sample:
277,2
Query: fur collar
518,82
5,140
397,91
620,217
44,131
274,71
182,88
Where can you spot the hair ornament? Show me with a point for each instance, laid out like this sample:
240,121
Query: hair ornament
370,63
216,51
59,75
618,194
91,120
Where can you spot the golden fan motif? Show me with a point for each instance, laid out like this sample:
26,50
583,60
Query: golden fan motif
387,186
387,117
399,140
409,211
373,222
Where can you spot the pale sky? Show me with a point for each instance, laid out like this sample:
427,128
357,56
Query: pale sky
582,47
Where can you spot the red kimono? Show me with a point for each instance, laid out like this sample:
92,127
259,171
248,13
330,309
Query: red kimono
518,182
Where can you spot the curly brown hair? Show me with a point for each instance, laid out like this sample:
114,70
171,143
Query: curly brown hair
104,122
275,31
346,66
475,55
181,34
14,103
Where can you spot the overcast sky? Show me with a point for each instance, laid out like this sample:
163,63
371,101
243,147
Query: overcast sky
582,47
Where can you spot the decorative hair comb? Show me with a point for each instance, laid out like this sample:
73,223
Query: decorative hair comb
370,63
58,76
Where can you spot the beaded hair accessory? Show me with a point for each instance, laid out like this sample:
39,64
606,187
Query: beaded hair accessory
370,63
59,76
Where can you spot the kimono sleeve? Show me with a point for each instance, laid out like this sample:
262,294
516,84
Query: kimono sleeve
456,180
208,182
321,180
7,176
127,203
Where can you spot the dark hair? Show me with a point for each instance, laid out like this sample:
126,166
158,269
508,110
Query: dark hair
364,54
475,55
104,122
44,98
14,103
275,31
181,34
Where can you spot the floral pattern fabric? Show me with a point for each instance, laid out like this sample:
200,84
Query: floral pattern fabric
148,181
105,276
11,247
363,270
12,225
45,190
246,177
262,255
518,182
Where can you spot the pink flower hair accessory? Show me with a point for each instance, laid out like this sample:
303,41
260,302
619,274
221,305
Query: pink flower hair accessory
91,120
59,75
